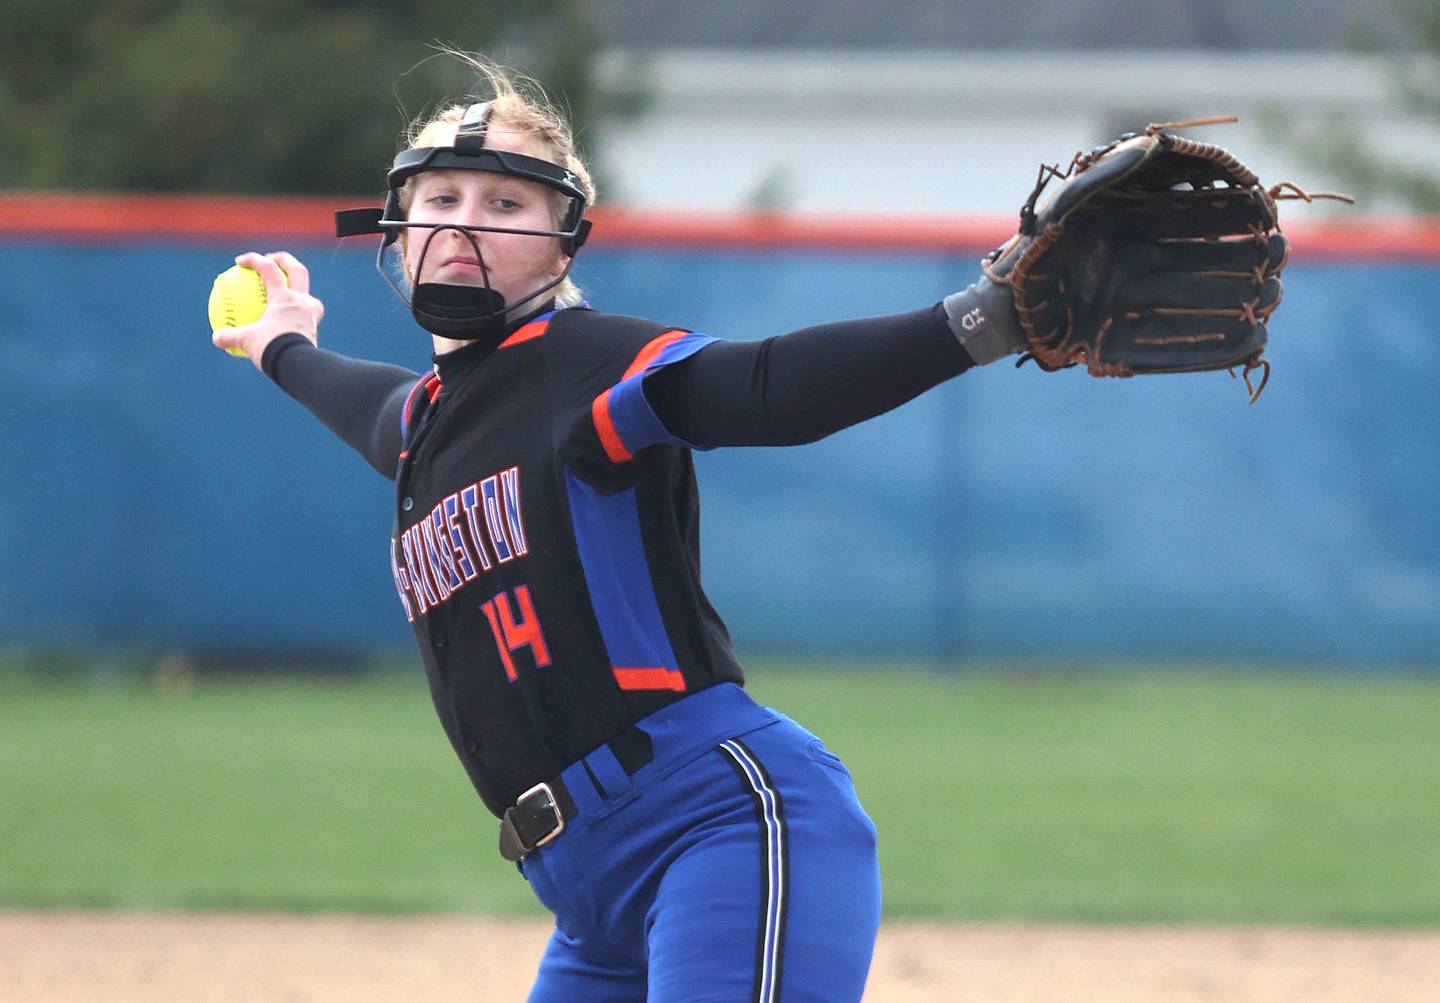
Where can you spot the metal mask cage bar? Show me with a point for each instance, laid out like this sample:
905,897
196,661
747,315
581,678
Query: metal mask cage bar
390,220
391,225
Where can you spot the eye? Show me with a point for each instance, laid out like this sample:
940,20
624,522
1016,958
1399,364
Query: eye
441,198
505,204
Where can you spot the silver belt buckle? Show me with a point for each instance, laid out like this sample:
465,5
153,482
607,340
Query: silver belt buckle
554,807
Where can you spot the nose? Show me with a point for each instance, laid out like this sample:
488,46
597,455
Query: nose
472,210
466,241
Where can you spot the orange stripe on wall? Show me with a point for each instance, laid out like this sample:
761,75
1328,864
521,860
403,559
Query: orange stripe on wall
57,216
77,216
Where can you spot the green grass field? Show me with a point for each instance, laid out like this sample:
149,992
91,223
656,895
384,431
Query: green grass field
1100,796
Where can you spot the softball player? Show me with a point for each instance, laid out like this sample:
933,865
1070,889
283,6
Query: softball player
692,844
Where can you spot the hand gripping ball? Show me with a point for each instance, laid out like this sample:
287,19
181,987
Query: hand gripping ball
237,298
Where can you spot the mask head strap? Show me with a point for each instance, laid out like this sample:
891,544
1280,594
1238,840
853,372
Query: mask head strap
470,134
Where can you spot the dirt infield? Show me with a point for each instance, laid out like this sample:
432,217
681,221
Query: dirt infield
59,957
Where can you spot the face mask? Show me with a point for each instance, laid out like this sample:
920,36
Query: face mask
466,312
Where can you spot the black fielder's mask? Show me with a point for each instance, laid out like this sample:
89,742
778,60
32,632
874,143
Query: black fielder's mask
466,312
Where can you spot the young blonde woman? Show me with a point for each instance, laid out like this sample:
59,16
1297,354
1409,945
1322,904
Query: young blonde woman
692,844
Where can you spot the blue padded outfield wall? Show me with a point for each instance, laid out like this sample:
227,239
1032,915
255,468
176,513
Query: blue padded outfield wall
162,496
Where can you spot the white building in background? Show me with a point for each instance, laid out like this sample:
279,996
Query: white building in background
735,121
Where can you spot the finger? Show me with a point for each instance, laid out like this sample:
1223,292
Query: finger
296,272
317,309
1172,343
1165,292
270,273
1237,258
249,259
232,340
1175,214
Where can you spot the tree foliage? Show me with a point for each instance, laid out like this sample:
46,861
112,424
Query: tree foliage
1342,144
302,96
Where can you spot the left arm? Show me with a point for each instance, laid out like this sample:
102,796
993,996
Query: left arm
803,386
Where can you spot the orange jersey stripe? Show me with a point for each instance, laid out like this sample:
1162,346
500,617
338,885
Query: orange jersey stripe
609,438
600,407
650,679
652,349
534,329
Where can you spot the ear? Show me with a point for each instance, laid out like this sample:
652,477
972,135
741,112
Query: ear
562,262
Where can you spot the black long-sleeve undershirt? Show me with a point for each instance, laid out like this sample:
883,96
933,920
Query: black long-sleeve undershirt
358,400
802,386
786,390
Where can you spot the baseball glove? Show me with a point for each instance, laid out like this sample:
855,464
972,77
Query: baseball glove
1157,254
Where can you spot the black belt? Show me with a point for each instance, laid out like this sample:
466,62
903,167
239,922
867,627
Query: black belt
540,814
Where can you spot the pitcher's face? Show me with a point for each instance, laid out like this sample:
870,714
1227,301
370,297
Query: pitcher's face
512,264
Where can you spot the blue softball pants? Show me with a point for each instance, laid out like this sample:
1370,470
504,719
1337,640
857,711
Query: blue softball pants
736,866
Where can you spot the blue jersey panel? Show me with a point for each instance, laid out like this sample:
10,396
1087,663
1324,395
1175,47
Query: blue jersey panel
607,534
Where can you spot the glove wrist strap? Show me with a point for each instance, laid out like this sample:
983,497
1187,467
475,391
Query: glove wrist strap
982,317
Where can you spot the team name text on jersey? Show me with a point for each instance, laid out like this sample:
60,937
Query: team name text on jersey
469,532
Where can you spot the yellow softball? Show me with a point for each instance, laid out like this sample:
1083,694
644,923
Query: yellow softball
237,298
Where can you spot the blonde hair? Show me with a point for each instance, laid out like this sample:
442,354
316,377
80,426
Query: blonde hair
519,102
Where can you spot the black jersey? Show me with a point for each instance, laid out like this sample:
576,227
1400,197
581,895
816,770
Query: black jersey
546,548
547,551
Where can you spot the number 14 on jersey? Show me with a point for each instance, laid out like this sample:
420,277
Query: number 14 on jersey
513,633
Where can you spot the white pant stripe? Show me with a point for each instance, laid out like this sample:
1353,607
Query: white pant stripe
774,850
